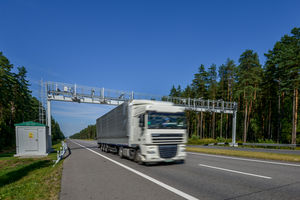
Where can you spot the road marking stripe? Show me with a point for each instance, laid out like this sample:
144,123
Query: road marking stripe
245,159
170,188
234,171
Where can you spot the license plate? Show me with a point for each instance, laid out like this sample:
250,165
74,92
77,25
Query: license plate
170,160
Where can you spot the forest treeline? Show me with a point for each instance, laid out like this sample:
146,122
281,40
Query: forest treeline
267,95
17,104
86,133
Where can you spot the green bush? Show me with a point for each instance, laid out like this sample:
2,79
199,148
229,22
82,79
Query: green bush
194,137
196,141
266,141
221,139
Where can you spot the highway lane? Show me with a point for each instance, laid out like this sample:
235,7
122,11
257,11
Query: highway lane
241,148
202,176
89,176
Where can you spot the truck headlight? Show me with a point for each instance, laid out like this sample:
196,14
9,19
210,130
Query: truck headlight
182,149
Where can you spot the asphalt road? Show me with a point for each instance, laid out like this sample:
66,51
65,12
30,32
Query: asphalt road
91,174
281,151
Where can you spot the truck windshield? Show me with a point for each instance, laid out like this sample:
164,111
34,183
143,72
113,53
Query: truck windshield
158,120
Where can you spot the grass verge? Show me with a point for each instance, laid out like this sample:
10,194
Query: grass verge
248,154
29,178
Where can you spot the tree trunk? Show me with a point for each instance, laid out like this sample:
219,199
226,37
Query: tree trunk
295,116
245,123
263,126
249,113
269,118
278,118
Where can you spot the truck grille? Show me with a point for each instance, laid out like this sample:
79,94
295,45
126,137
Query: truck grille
167,151
165,138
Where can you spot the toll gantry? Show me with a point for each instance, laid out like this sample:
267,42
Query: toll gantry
56,91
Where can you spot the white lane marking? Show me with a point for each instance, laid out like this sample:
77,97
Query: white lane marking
245,159
170,188
234,171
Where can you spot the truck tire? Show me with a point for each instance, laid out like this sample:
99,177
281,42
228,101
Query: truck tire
137,157
120,152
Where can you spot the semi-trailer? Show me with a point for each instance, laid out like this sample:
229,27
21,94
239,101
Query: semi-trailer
145,131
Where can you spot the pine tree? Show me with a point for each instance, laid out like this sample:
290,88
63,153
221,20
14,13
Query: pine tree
249,78
199,84
285,56
212,92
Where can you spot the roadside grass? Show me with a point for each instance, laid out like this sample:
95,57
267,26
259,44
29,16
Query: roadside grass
248,154
29,178
195,140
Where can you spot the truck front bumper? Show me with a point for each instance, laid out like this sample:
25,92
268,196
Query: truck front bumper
152,154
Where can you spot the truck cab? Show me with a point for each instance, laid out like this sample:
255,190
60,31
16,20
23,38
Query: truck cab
159,131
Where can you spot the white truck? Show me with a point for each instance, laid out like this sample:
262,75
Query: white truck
145,131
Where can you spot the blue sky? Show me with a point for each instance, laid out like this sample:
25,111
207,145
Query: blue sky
144,46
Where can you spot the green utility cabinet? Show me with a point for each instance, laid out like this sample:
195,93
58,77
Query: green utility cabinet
32,139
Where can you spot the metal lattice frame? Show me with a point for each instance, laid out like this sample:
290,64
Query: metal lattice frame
56,91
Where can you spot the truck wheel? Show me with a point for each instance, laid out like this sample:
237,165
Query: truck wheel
137,157
121,152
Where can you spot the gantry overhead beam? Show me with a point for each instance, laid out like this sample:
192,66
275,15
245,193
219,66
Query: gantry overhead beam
82,94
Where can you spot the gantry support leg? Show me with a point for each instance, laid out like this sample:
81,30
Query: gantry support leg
234,144
49,121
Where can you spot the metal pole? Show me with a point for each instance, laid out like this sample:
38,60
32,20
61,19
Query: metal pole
102,94
43,102
40,103
234,144
49,124
208,104
75,89
49,116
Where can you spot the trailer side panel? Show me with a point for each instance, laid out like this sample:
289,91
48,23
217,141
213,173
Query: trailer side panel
112,128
